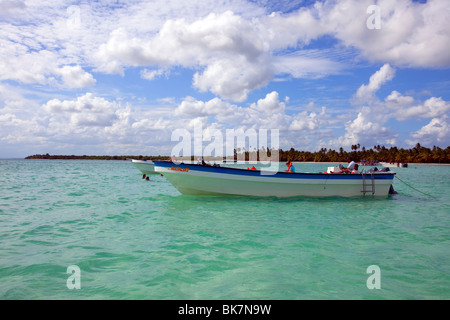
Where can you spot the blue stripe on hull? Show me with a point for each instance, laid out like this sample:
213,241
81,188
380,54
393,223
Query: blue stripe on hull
287,175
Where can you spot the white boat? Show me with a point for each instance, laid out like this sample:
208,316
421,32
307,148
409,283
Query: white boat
394,165
145,166
212,180
388,165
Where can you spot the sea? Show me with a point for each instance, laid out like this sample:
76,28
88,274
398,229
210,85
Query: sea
76,229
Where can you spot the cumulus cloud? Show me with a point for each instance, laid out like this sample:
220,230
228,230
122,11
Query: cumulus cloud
311,121
236,55
153,74
367,129
366,93
431,108
270,112
191,107
234,79
411,33
271,104
266,113
397,101
234,47
43,67
233,55
226,46
86,110
369,126
75,77
435,132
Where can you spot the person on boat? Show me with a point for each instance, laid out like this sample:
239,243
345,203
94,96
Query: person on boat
290,166
350,166
355,168
201,161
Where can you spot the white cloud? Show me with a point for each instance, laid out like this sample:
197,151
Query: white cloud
153,74
234,55
431,108
397,101
266,113
152,124
234,46
27,67
45,67
366,93
367,129
302,65
312,121
225,45
234,79
406,107
437,132
369,126
412,34
9,119
291,30
210,36
270,104
75,77
86,110
191,107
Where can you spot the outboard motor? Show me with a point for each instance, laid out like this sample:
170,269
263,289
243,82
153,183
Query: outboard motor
391,190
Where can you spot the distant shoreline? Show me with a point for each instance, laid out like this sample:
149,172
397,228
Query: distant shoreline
86,157
159,157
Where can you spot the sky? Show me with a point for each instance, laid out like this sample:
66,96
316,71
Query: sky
114,77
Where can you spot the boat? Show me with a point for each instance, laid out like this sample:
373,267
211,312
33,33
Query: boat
388,164
394,165
369,163
145,166
195,179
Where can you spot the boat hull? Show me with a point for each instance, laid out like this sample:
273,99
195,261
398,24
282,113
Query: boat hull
146,167
203,180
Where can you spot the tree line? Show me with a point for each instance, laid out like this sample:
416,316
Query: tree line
90,157
417,154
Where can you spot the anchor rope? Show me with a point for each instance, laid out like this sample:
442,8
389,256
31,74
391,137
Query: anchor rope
415,188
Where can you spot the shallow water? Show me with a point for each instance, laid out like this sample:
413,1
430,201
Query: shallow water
137,239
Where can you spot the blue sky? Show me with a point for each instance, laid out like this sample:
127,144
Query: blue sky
119,77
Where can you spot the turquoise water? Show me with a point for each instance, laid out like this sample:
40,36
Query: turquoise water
137,239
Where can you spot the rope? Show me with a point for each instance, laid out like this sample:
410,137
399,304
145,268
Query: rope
415,188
